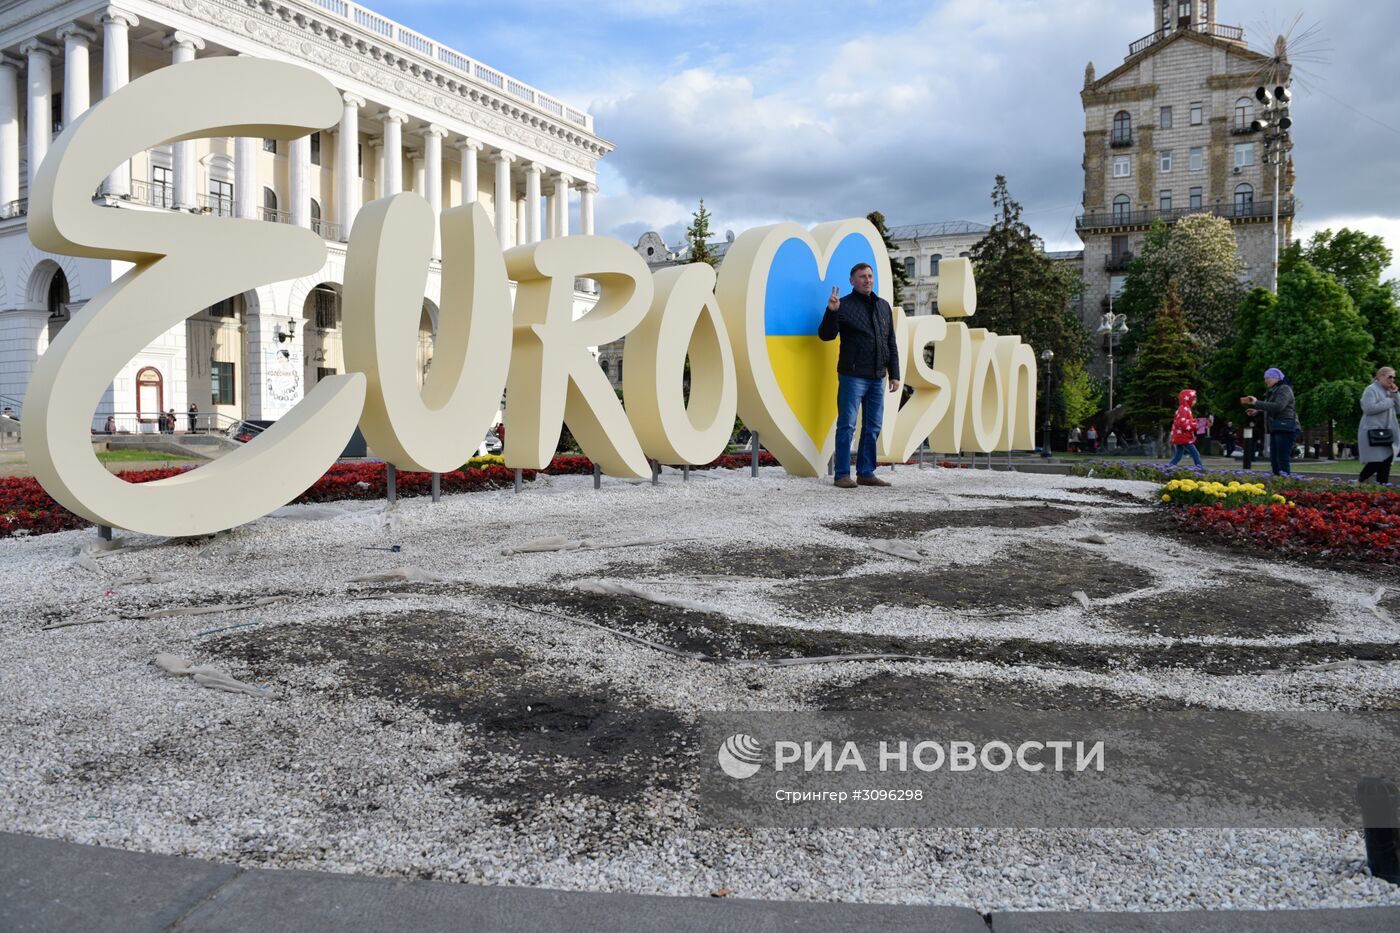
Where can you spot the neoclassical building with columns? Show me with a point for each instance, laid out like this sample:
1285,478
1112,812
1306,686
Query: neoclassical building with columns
417,116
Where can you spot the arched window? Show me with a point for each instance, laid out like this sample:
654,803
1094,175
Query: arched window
964,255
1244,200
1122,208
57,300
933,262
316,215
1122,128
325,307
1244,113
606,369
269,204
910,268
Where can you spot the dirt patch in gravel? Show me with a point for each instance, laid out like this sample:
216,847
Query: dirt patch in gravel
529,730
887,692
1112,499
911,524
757,562
719,639
1031,578
1252,607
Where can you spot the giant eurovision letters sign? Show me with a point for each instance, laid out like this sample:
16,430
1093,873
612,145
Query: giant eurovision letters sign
750,336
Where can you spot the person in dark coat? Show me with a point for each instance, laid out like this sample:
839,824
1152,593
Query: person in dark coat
868,356
1280,418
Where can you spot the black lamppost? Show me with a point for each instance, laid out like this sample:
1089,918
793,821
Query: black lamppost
1047,356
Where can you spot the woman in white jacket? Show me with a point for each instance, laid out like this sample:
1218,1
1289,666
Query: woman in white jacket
1379,403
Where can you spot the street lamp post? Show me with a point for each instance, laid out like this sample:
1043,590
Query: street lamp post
1275,123
1112,326
1047,356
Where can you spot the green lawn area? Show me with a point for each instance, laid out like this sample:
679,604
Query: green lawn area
133,456
1337,467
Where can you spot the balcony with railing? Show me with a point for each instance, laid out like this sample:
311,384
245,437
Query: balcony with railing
464,65
1118,262
1214,30
1120,139
1244,212
17,208
216,205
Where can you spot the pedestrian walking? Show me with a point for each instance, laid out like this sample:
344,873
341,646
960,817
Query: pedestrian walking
1227,437
1092,435
1184,428
1280,418
1076,440
1378,434
867,357
193,416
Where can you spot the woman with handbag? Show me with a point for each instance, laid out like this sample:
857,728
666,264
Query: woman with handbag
1280,418
1376,434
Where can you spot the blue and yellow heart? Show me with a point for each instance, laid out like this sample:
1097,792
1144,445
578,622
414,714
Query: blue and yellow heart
794,303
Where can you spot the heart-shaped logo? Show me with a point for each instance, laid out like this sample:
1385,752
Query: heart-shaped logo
773,289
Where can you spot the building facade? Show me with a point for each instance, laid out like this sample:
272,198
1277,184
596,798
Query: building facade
417,116
920,248
1169,133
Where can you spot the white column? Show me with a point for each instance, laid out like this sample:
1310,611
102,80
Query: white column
116,73
246,190
393,122
551,216
9,131
77,94
300,158
532,202
521,228
470,180
432,188
347,171
415,166
40,107
182,47
585,207
377,145
504,215
561,198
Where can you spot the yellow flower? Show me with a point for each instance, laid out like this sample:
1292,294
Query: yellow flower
1278,498
1166,497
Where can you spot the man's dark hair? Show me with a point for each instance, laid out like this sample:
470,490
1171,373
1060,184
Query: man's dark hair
859,266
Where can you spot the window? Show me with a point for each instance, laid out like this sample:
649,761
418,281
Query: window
223,308
1196,199
162,186
933,262
1122,166
964,255
909,269
1166,118
324,371
315,215
221,384
1116,284
221,197
269,204
1122,209
360,160
1197,113
327,304
56,113
315,148
1164,200
1198,158
1244,154
1122,128
1165,165
1244,200
604,365
619,372
1119,247
270,145
1244,113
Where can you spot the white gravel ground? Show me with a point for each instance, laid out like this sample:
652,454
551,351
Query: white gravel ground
100,746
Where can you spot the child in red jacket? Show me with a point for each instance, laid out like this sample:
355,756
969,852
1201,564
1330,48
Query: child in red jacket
1184,428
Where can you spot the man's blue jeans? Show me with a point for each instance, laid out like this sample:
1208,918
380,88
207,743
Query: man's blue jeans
868,397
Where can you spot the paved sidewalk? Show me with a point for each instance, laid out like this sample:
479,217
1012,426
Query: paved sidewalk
47,885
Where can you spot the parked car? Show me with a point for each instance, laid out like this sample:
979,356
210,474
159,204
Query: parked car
491,444
246,430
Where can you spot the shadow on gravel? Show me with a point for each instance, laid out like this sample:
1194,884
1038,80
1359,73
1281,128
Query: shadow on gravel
743,561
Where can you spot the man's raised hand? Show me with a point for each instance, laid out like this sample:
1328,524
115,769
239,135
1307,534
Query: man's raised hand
834,301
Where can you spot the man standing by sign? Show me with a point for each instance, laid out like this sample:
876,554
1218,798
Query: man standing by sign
868,354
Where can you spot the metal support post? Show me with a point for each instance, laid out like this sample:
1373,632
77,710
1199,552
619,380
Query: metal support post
391,483
753,465
519,480
597,476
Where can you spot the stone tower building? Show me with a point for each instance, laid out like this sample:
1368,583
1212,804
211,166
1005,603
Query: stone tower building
1169,133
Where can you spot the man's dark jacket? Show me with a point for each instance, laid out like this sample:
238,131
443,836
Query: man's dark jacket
866,327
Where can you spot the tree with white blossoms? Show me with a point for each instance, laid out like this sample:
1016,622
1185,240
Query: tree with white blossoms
1198,255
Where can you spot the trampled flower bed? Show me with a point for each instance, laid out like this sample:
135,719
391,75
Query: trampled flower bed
1356,525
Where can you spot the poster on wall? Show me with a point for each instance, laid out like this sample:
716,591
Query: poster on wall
283,378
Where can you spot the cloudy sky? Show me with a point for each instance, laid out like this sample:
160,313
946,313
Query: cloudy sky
815,110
